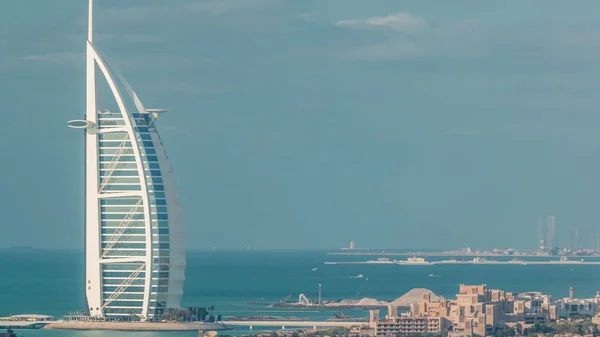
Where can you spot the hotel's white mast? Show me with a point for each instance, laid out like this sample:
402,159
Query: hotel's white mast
92,232
91,21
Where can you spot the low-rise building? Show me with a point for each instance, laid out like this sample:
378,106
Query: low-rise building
478,310
362,331
572,307
393,325
576,307
410,325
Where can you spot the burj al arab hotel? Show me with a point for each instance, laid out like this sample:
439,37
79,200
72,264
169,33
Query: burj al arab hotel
134,241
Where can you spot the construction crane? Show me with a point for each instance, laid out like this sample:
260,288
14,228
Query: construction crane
285,300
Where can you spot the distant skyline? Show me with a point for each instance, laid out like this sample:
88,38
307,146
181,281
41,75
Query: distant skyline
310,124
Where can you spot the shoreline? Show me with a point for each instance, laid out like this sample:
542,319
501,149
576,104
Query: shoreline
456,254
521,263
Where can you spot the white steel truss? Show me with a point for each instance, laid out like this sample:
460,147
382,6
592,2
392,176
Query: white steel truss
127,222
123,286
115,163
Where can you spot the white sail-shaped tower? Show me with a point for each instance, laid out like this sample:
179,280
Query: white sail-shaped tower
134,243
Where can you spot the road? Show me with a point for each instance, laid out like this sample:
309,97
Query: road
284,324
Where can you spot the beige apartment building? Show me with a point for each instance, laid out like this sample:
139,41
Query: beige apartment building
394,325
410,325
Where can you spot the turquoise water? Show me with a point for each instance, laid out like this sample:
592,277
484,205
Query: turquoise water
49,282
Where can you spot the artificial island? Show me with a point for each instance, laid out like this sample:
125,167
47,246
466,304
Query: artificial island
546,246
420,261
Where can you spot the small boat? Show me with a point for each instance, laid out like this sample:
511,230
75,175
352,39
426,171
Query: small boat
314,269
433,275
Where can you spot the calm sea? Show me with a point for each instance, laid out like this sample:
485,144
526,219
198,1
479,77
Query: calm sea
49,282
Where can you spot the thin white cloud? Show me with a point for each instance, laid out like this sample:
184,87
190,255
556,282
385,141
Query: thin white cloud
216,7
465,39
391,50
195,89
131,38
180,10
124,37
305,16
129,62
402,21
412,36
65,58
566,45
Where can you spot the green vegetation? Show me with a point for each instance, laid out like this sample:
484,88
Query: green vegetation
191,314
581,327
503,331
336,332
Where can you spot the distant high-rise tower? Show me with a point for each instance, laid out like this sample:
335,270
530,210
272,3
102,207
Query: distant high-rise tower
542,249
570,241
540,230
352,245
320,293
551,233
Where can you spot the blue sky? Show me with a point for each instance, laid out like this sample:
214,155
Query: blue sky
310,123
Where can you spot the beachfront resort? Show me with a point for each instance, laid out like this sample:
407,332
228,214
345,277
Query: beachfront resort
479,311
